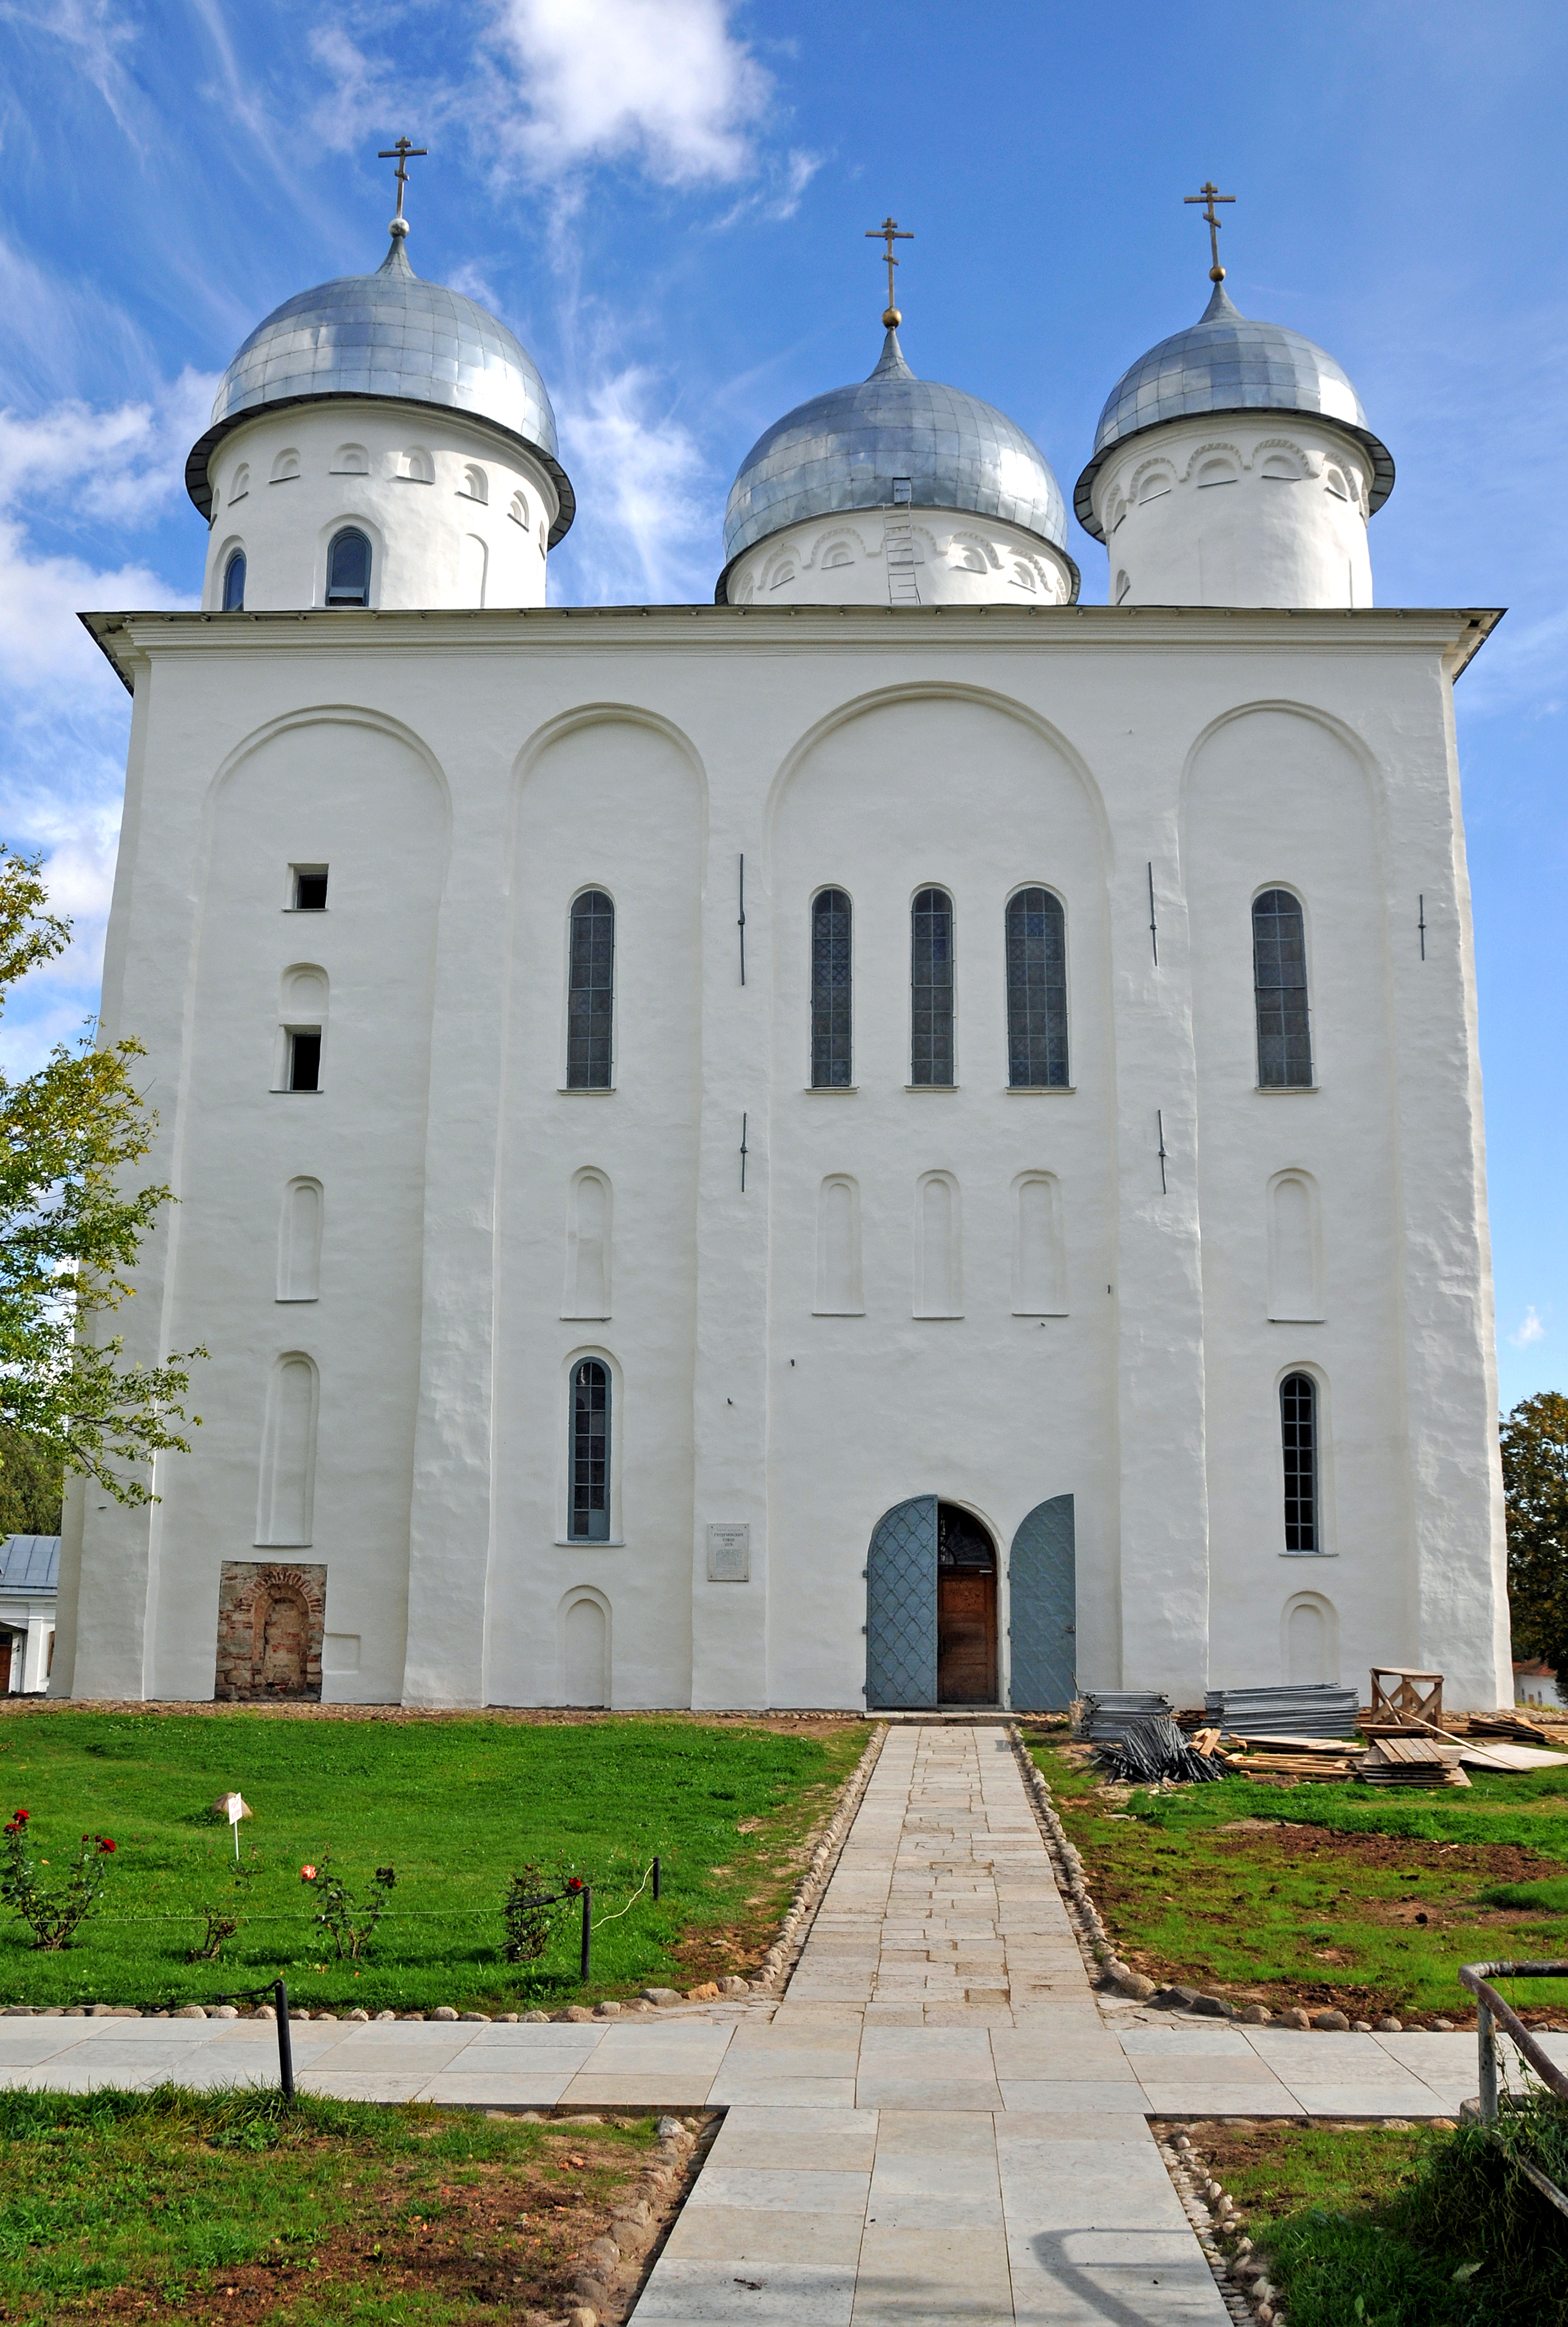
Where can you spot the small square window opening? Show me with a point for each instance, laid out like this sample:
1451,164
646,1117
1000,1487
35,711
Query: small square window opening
305,1058
310,888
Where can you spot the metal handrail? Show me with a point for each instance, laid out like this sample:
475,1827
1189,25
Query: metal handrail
1490,2009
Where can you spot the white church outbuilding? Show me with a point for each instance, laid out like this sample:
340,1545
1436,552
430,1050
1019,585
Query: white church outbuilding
893,1139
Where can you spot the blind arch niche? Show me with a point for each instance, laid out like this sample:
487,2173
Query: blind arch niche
299,1241
286,1502
1295,1267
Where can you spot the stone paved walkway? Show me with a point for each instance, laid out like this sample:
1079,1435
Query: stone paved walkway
935,2126
939,2123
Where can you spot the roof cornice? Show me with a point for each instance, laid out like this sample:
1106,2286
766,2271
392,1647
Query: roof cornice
131,640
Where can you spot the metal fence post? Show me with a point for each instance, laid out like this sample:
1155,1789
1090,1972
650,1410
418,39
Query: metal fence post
284,2045
587,1928
1486,2045
656,1881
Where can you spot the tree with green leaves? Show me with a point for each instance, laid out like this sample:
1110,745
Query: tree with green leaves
1534,1441
70,1227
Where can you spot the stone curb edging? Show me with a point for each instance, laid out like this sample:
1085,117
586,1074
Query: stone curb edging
1242,2278
1104,1964
773,1972
1100,1958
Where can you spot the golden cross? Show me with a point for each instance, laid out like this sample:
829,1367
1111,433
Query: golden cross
889,231
400,153
1212,194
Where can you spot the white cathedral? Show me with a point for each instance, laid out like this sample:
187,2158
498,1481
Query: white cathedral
893,1140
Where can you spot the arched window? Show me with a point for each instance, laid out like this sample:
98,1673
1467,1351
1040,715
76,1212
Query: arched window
591,993
234,584
1299,1440
349,570
589,1519
1036,947
832,1059
1279,972
931,988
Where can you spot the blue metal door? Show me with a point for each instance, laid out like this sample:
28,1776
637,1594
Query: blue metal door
900,1609
1043,1617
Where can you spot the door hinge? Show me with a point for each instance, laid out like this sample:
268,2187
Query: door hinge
863,1631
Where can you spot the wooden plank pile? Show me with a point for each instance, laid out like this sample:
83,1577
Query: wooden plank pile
1410,1760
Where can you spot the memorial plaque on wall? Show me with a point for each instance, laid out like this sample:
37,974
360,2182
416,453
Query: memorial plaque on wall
729,1554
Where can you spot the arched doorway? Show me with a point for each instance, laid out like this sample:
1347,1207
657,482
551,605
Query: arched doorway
966,1609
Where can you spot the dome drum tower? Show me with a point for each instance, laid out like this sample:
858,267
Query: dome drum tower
393,418
895,490
1233,466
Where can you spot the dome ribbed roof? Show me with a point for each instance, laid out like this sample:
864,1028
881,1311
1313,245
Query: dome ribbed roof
1226,363
843,450
394,337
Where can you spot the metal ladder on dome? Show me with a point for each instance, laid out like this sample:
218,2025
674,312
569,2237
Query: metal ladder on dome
899,541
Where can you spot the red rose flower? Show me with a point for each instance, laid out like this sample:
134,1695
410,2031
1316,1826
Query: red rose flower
105,1843
307,1873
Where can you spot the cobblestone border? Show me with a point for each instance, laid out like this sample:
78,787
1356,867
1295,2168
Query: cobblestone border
1240,2275
1100,1958
772,1973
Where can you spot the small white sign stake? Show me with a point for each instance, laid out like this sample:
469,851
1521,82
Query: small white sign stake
234,1808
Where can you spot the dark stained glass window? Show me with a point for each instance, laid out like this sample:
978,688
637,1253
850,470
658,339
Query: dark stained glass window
832,1056
1298,1434
931,988
349,570
591,993
1279,976
1036,944
590,1452
234,584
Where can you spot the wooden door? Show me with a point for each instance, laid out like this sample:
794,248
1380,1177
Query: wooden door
5,1664
965,1636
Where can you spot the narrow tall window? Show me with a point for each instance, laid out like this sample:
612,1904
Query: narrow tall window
832,991
234,584
1036,947
304,1058
931,988
349,570
590,1452
1299,1437
591,993
1279,974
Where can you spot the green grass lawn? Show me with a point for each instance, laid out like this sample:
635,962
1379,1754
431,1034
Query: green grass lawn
453,1804
169,2205
1363,1898
1365,2225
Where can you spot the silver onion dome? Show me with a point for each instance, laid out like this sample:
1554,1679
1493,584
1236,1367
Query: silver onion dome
1226,363
397,339
843,451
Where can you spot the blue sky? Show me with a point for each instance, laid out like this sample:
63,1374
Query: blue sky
667,199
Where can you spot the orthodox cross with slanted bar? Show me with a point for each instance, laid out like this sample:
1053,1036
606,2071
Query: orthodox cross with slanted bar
400,153
889,231
1210,195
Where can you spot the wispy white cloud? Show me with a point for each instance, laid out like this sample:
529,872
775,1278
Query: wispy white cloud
648,536
662,83
64,714
359,89
96,32
1532,1330
786,179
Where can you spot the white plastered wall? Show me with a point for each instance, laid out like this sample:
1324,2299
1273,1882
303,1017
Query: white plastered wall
951,559
423,485
879,751
1237,508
